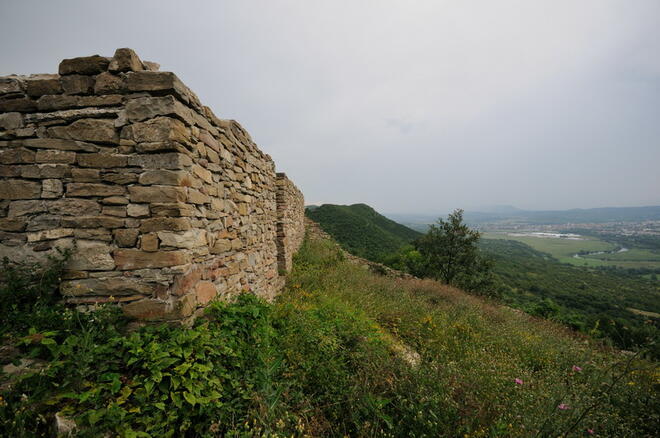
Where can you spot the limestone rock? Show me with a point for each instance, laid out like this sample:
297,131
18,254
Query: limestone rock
19,189
165,177
91,256
165,223
11,121
77,84
93,130
102,160
130,259
91,189
189,239
86,65
125,60
107,83
158,194
43,84
51,188
126,238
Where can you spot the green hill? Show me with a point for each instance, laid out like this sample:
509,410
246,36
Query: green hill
361,230
604,303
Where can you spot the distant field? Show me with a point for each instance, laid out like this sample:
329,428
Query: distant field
564,250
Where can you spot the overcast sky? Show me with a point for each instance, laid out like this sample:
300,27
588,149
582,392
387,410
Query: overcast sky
409,106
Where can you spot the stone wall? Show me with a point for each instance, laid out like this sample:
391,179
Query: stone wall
163,205
290,221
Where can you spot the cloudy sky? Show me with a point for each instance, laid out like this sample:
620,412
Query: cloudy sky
409,106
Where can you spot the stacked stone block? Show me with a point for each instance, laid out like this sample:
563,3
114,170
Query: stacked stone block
290,221
163,206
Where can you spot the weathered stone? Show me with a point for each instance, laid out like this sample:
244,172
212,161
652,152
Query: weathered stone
57,102
74,207
91,256
177,209
155,81
19,189
119,211
107,83
41,171
55,156
86,65
157,194
149,242
93,234
43,84
165,223
91,189
112,286
202,173
184,306
10,85
22,208
220,246
122,177
51,188
56,143
165,177
16,156
11,120
147,309
160,147
129,259
160,129
160,161
85,175
12,225
151,66
144,108
115,200
94,130
56,233
92,222
125,59
138,210
77,84
21,105
126,237
197,197
205,291
102,160
188,239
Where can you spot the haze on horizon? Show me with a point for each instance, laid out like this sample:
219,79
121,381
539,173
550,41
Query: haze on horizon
410,108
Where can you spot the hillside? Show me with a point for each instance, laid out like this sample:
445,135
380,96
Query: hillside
603,303
341,352
361,230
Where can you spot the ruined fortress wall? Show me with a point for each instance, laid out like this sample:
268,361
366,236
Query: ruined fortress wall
163,205
291,221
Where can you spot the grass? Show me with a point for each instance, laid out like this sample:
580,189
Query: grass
332,357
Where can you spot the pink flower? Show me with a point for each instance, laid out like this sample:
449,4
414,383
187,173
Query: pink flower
590,431
576,368
519,381
563,407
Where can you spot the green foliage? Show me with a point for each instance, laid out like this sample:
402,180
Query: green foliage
450,254
361,230
29,290
578,297
342,352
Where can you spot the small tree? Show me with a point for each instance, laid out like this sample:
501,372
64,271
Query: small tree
450,254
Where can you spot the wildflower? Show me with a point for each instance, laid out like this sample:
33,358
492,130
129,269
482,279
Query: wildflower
590,431
563,407
577,368
518,381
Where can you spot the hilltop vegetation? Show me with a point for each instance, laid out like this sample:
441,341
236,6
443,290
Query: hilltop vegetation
342,352
600,303
361,230
605,304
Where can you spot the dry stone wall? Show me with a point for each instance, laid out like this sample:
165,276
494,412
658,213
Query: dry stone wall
163,205
291,221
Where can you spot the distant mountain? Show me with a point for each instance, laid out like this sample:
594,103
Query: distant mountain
361,229
543,217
